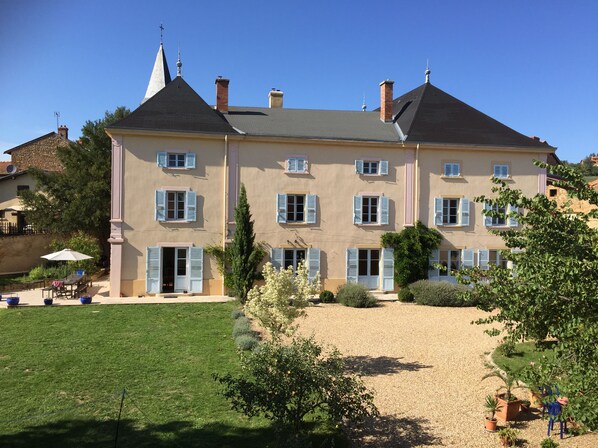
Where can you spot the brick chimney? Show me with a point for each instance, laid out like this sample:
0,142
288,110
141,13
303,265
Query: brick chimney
63,131
222,94
386,100
275,99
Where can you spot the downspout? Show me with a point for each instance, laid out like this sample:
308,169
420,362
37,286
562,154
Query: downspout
225,203
416,177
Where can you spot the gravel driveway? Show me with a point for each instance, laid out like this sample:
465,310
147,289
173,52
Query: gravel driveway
425,365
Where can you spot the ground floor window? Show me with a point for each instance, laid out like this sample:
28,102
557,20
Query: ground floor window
292,258
495,258
451,261
369,262
174,269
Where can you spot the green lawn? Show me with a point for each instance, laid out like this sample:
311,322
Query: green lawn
63,370
524,353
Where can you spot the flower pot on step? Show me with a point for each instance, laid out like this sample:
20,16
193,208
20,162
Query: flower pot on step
12,301
48,301
509,410
85,300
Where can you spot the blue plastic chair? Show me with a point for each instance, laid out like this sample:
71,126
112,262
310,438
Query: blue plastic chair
554,412
80,272
546,391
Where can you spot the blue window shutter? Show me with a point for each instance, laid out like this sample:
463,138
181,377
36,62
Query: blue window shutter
196,269
467,258
313,263
438,211
383,209
191,206
465,212
152,270
388,269
512,220
190,160
276,257
311,209
359,166
434,272
356,209
483,258
305,166
487,219
281,208
384,168
160,205
162,159
352,261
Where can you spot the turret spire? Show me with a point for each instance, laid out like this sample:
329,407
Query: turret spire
179,65
428,72
160,74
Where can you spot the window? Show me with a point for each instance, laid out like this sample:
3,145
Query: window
369,262
495,258
372,167
21,188
452,169
180,160
502,218
175,205
450,260
552,192
297,165
451,211
292,258
296,208
282,258
370,209
501,171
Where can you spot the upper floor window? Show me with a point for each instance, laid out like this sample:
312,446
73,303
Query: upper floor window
498,215
500,219
451,211
297,165
501,170
181,160
370,209
452,169
296,208
175,205
372,167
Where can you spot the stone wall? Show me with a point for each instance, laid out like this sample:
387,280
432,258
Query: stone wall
39,154
561,197
23,252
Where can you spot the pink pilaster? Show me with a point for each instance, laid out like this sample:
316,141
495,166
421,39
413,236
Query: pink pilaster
409,184
542,178
233,179
116,237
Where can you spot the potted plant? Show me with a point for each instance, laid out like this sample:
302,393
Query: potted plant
525,405
548,443
507,436
509,403
85,300
48,301
492,407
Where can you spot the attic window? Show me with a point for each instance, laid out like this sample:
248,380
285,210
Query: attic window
552,192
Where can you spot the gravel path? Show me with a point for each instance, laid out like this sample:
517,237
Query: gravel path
425,365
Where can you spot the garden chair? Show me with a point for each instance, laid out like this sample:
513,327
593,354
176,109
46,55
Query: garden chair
554,412
547,391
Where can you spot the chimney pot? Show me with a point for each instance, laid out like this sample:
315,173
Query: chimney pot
63,131
275,99
222,94
386,100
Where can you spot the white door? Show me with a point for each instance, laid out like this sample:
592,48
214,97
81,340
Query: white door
369,268
181,279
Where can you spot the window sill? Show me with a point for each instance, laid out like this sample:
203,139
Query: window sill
175,221
504,179
443,177
296,223
451,226
296,172
176,168
370,224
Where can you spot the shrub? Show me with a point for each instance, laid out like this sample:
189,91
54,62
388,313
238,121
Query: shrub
246,341
405,295
236,313
433,293
289,383
53,272
327,297
242,326
355,295
548,443
84,243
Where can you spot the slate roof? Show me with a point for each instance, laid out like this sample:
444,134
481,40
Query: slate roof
177,107
428,114
311,123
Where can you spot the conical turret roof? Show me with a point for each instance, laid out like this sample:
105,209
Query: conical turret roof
160,75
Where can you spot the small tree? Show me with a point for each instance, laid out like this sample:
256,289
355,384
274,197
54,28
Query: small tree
412,249
245,255
287,383
282,299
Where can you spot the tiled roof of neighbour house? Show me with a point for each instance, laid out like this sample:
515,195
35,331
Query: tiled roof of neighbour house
311,124
49,134
177,107
3,166
427,114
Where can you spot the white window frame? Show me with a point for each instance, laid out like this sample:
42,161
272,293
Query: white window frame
451,255
382,209
366,218
449,169
309,208
501,171
509,221
189,208
164,158
293,162
364,167
463,212
295,205
296,259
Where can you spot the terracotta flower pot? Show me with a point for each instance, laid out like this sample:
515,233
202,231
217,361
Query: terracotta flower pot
490,424
509,409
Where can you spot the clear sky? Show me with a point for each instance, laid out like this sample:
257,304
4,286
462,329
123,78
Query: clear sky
532,64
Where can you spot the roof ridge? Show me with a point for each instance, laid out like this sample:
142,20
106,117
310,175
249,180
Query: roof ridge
8,151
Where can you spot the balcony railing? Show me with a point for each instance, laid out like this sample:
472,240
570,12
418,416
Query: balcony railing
10,229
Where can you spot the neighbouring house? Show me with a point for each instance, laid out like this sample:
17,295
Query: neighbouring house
38,153
323,185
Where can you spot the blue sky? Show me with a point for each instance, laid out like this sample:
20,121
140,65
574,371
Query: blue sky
532,65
